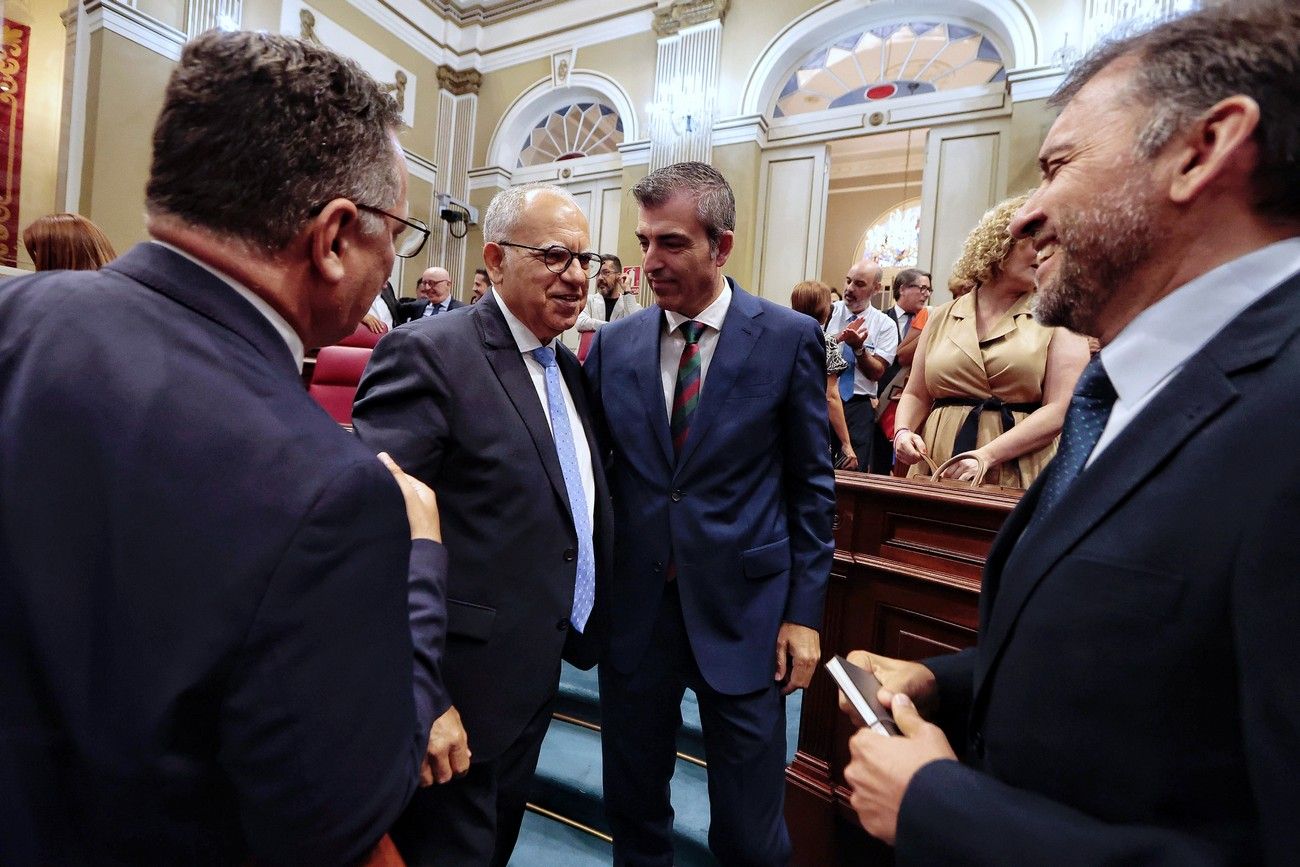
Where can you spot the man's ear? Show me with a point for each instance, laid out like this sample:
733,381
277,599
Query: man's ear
330,238
725,245
1218,147
493,254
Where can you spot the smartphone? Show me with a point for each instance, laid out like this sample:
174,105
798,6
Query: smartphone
860,687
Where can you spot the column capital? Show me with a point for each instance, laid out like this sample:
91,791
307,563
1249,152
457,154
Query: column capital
670,19
459,82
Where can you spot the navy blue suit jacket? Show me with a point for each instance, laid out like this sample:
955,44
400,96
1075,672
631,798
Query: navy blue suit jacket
410,309
744,514
204,631
1133,697
449,397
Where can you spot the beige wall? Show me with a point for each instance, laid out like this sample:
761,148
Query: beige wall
42,106
124,95
739,164
848,214
496,94
1030,121
749,26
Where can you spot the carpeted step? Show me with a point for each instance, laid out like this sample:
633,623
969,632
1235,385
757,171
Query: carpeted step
579,698
568,783
545,841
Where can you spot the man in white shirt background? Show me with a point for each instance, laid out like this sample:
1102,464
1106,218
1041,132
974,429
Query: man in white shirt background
868,340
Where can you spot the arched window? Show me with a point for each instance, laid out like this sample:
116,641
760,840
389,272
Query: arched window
893,239
887,62
581,129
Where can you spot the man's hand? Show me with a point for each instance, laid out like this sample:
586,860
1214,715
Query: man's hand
853,335
448,753
421,502
374,323
911,679
881,767
800,648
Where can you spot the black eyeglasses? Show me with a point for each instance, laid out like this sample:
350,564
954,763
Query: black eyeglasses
558,259
407,243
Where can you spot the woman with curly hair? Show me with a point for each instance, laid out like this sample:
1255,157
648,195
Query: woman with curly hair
67,242
987,379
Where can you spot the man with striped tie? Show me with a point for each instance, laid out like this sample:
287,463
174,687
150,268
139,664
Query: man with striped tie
715,410
488,408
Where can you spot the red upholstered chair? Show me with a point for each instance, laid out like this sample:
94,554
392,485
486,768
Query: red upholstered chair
334,384
363,336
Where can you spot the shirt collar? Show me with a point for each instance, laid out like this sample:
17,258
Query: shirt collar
278,322
526,340
1163,337
712,316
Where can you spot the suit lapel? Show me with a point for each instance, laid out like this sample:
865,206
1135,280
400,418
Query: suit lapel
1199,393
643,345
735,342
507,363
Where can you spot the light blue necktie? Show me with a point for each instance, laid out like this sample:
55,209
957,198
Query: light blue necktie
846,375
584,590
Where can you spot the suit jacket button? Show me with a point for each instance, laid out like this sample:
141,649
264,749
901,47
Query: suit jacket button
562,624
977,744
570,555
677,496
659,566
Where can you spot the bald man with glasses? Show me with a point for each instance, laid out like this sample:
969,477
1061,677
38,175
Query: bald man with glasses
434,289
487,407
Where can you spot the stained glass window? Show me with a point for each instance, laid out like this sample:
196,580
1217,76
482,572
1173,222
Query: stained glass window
887,62
582,129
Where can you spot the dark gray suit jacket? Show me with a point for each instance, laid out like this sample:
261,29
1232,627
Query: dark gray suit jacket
449,397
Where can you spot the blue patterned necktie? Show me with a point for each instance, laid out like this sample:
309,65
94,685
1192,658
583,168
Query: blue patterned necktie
846,375
1086,419
584,589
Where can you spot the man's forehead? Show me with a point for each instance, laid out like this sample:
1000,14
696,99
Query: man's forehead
1102,106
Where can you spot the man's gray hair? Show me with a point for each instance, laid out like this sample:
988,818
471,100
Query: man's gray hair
715,203
1187,65
508,207
258,132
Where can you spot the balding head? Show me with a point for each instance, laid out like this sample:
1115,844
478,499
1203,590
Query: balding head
862,281
434,284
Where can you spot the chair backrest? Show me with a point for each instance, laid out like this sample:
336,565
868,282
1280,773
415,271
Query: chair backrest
334,382
362,336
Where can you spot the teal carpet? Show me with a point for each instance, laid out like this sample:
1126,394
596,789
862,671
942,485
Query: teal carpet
568,784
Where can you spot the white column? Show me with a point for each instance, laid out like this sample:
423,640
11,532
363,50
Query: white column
457,107
686,81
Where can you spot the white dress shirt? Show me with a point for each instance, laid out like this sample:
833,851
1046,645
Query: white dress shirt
882,340
527,342
380,311
1158,342
278,322
672,343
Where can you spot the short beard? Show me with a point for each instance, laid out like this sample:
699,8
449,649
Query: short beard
1099,248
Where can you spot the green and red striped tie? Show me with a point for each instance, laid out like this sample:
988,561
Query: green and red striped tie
686,397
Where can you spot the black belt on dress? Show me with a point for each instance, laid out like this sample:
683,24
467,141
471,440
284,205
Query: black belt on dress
968,433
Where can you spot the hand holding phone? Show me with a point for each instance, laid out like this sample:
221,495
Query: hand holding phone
860,687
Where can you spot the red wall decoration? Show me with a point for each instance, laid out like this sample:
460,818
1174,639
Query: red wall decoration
13,89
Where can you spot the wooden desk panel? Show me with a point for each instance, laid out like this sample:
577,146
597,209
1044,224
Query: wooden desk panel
905,583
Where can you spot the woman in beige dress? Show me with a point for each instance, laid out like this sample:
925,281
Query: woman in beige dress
987,378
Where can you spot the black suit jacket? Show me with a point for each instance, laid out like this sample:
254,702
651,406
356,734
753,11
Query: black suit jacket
204,628
1133,697
449,397
409,309
390,301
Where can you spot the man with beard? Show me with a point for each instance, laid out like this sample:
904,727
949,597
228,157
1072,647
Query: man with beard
868,340
488,409
612,303
1133,694
482,283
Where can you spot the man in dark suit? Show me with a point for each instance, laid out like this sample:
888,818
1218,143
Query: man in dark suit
487,407
714,403
203,581
1132,698
434,289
